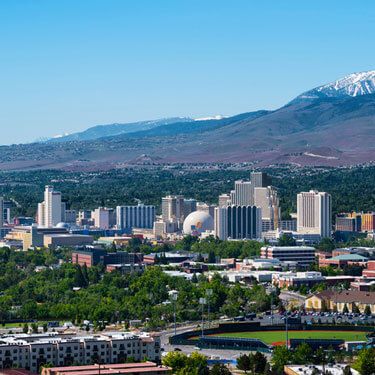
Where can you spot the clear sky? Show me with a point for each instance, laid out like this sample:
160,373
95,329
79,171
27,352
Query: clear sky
66,65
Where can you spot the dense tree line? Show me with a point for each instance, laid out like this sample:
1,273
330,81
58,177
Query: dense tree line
68,291
351,188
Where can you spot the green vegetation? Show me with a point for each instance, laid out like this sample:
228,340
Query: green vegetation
351,188
270,337
49,294
255,363
365,362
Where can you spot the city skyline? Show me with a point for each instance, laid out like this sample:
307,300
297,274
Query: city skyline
68,66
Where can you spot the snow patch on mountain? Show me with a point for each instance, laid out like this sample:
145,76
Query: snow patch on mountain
355,84
216,117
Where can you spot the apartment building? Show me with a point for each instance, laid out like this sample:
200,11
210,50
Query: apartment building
32,351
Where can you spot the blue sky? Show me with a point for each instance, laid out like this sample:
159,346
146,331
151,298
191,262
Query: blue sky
67,65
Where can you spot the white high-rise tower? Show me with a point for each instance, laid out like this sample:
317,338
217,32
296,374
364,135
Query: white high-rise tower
314,213
50,211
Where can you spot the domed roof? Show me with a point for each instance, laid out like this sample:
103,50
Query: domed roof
63,225
198,222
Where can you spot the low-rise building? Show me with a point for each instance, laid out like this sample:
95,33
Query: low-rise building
291,279
144,368
303,255
342,260
90,256
370,270
337,300
58,240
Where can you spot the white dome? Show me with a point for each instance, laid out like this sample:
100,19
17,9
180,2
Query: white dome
63,225
198,222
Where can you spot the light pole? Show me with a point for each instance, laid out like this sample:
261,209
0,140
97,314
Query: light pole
202,301
286,330
208,294
174,296
271,290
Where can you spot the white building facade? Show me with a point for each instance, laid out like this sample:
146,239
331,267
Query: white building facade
314,213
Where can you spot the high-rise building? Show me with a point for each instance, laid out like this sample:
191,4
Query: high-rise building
1,212
368,222
50,210
104,218
243,193
260,179
267,199
209,208
190,205
173,207
314,213
238,222
224,200
70,216
140,216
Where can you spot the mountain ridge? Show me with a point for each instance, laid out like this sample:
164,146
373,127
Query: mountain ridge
330,130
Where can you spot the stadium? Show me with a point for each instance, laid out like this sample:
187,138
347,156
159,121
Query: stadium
256,337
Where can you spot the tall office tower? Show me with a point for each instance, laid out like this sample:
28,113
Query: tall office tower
50,211
172,208
41,214
70,216
209,208
314,211
84,217
140,216
368,222
190,205
1,212
104,218
243,193
224,200
260,179
238,222
267,199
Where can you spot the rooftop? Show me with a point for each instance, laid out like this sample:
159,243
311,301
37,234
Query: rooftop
308,370
121,368
350,257
348,296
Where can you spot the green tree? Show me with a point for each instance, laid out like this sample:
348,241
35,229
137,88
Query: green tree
219,369
281,356
365,362
286,240
347,371
303,354
25,328
34,327
326,244
244,363
259,363
368,310
355,309
175,360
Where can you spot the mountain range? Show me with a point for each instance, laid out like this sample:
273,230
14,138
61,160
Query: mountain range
331,125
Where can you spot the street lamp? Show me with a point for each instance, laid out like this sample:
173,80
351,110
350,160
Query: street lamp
174,296
202,301
286,330
209,293
271,291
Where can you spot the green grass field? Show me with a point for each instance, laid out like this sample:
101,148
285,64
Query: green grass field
270,337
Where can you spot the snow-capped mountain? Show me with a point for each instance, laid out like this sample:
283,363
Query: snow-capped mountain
354,84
